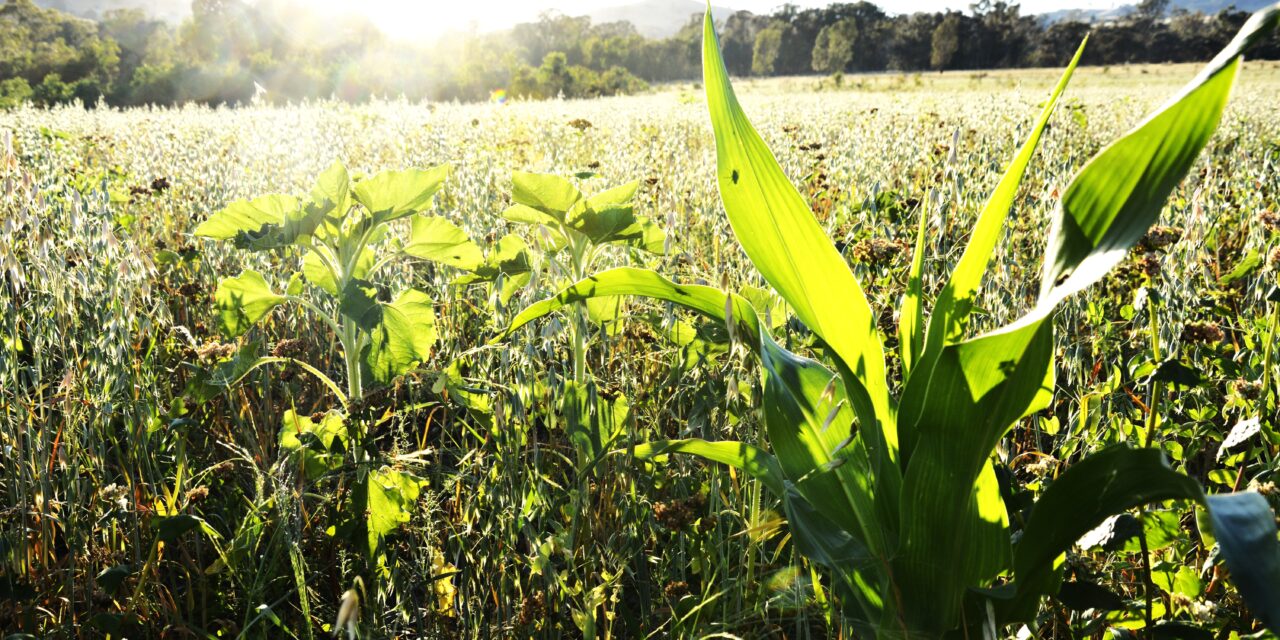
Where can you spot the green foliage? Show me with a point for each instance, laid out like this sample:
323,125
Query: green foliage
906,509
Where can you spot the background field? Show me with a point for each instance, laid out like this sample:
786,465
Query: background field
109,418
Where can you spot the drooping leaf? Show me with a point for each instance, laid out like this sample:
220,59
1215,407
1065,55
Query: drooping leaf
1105,483
264,223
391,195
403,337
1245,528
436,238
242,301
749,459
1118,195
629,281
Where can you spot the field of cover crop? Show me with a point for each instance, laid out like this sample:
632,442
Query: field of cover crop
225,414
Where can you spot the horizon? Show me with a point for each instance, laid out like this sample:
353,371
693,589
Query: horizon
411,20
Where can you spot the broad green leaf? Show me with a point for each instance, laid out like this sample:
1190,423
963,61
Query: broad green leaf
528,215
811,431
332,194
549,194
1106,483
951,311
248,218
359,302
435,238
392,497
1119,193
391,195
617,196
605,224
974,393
318,448
404,336
749,459
649,236
242,301
1245,527
629,281
824,542
783,240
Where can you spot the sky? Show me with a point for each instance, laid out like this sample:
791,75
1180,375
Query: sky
419,18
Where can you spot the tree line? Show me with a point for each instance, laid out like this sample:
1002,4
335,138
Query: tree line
229,51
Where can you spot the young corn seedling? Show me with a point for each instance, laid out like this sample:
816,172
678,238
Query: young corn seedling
899,497
339,229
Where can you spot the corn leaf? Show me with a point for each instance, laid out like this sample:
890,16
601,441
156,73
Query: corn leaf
1118,195
749,459
956,299
1245,528
629,281
783,240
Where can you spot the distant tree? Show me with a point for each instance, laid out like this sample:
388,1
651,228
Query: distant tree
833,50
768,48
910,40
945,42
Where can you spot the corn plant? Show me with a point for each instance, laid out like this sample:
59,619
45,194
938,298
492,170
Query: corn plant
898,496
339,229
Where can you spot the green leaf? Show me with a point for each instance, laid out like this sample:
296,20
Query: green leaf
359,302
317,448
784,242
318,272
435,238
549,194
331,196
810,427
404,336
1245,528
749,459
248,218
1118,195
392,495
528,215
911,320
951,311
1106,483
605,224
391,195
242,301
1243,269
629,281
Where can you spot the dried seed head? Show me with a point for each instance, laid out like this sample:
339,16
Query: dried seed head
1270,219
676,589
1202,332
878,251
198,495
1160,237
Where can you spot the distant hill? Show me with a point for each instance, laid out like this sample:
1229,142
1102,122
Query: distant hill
657,18
1208,7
